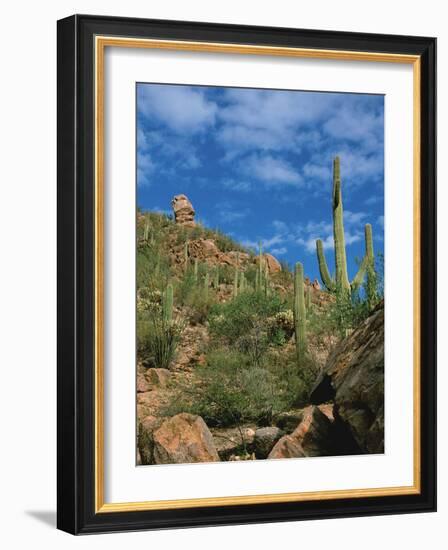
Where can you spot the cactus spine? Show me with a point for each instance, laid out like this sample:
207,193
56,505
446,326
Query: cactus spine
299,312
168,304
341,281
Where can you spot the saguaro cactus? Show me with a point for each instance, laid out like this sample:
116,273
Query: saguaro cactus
146,231
186,254
206,284
168,304
195,270
340,281
235,283
299,312
216,283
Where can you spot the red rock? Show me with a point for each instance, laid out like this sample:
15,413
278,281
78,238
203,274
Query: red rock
183,211
184,438
312,437
157,377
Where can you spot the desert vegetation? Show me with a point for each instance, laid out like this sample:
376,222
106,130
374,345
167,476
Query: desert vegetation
230,335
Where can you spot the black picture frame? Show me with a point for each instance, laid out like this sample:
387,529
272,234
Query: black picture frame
76,254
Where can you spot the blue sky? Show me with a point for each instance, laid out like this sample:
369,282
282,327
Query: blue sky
257,163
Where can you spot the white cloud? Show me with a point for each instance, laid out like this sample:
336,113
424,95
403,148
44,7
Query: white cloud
271,170
279,251
237,185
230,216
145,167
181,108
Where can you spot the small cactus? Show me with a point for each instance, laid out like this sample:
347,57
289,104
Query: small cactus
235,283
168,304
216,282
186,253
196,270
206,284
299,312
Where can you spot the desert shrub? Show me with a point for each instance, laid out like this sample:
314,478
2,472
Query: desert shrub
242,314
230,392
157,339
254,343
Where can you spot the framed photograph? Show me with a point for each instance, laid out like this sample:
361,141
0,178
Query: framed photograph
246,274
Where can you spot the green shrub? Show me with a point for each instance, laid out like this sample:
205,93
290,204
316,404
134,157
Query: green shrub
157,339
242,314
230,392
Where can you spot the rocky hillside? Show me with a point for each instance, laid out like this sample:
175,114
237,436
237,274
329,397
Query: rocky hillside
219,373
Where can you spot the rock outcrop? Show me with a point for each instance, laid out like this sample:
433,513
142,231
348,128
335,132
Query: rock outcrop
184,438
265,439
312,437
272,263
354,379
183,211
231,441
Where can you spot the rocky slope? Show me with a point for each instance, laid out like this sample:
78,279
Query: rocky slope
345,412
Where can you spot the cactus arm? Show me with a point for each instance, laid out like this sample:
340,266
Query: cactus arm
367,261
359,277
369,242
323,268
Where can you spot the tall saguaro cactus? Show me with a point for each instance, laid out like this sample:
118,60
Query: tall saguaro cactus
299,312
340,281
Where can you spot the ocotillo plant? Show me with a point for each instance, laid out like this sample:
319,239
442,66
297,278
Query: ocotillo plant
168,301
340,281
299,312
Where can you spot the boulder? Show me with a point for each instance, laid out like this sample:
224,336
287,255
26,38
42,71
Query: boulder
265,439
354,379
229,441
145,439
288,421
312,437
157,378
184,438
183,211
271,261
142,384
205,250
287,447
